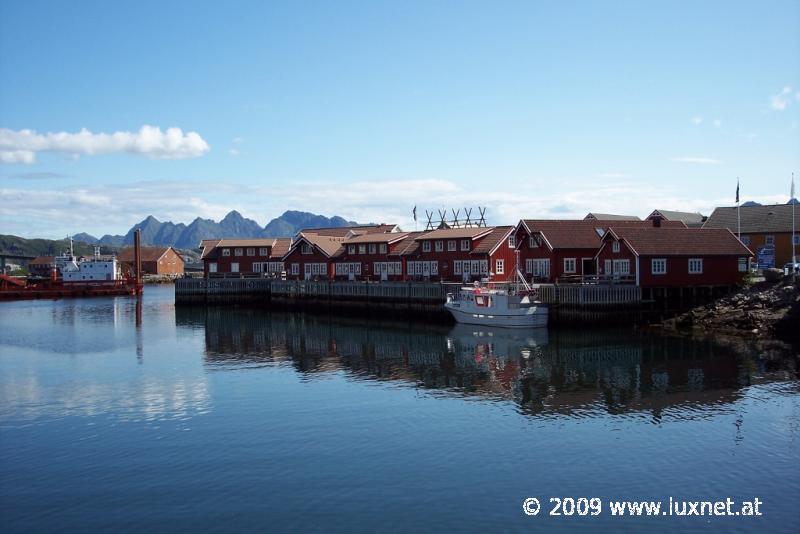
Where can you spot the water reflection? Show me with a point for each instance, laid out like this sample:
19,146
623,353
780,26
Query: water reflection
561,372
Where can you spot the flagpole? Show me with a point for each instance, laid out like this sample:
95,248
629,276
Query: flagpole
738,216
794,255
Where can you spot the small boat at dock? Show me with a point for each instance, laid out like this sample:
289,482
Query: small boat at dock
502,305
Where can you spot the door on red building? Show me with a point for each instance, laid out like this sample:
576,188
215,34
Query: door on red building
589,267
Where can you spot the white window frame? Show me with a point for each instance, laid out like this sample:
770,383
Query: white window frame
362,249
251,251
452,246
373,248
621,267
512,241
499,266
568,262
743,264
465,245
295,269
615,246
457,267
695,265
658,262
226,252
235,267
384,248
306,248
263,251
426,246
238,251
351,249
212,267
439,245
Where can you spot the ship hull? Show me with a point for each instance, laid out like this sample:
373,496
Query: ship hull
528,317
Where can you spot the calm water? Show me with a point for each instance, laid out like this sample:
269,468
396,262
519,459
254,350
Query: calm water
113,417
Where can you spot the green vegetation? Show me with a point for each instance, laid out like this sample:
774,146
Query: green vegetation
11,244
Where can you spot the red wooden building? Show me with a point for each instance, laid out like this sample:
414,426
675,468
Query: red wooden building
313,250
245,256
371,256
462,254
674,257
554,250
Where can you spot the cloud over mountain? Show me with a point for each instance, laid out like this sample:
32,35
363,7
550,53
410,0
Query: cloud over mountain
21,146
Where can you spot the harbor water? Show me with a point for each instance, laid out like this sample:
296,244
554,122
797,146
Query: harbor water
130,414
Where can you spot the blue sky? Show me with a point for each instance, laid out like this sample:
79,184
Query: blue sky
365,109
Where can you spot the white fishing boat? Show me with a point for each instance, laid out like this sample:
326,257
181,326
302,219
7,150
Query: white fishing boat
498,305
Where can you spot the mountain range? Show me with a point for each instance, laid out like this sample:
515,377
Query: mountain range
233,225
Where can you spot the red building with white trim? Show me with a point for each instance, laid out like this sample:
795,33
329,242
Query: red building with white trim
462,254
371,256
243,256
675,257
554,250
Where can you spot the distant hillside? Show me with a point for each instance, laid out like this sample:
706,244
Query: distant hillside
46,247
187,237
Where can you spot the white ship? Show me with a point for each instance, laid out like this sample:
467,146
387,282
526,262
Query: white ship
95,268
498,306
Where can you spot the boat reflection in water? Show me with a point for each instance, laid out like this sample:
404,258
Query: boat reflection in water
562,372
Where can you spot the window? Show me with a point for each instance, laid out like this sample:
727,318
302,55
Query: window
257,267
362,249
295,268
439,246
695,265
538,267
535,241
238,251
212,267
742,265
426,246
351,249
451,245
796,239
622,267
465,245
251,252
615,246
226,252
769,240
263,251
512,241
383,248
658,266
306,248
457,266
235,267
373,248
499,266
569,265
746,240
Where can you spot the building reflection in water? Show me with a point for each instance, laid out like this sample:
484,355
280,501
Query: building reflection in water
560,372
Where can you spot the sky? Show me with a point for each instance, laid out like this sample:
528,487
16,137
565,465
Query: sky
113,111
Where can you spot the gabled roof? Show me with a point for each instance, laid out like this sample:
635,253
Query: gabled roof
209,246
376,238
408,245
755,219
43,260
490,242
610,217
147,254
585,233
456,233
687,217
327,244
281,247
679,241
343,231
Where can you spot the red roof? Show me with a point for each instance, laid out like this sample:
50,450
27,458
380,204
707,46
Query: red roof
586,233
147,254
680,241
408,245
487,244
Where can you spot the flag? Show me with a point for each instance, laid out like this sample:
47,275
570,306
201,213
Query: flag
415,214
737,190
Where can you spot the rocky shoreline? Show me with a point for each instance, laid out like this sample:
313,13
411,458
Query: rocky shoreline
768,309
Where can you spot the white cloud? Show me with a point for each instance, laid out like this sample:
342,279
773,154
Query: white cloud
21,146
695,159
697,120
17,156
780,101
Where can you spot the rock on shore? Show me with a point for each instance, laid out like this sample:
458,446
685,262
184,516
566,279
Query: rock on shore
765,309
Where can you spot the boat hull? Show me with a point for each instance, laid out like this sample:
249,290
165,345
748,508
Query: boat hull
529,317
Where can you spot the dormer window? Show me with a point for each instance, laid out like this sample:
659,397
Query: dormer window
306,248
615,246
